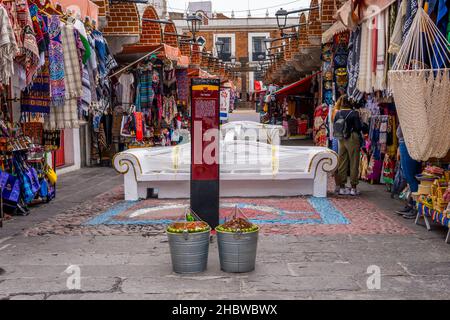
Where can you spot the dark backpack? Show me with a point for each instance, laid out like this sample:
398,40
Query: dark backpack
340,128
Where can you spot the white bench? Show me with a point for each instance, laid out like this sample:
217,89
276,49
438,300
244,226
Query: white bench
253,131
247,169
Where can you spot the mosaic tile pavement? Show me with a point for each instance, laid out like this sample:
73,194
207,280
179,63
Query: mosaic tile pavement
109,214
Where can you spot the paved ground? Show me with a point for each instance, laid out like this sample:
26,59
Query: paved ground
129,261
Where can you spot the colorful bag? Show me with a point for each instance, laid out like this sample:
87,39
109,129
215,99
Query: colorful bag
10,187
51,175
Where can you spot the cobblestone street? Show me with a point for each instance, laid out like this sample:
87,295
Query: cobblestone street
322,251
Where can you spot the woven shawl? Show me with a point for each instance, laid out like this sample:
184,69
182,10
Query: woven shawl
67,117
146,89
29,58
353,64
56,57
8,47
35,101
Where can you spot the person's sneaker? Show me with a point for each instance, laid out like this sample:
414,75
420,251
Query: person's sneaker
405,210
410,215
344,192
354,192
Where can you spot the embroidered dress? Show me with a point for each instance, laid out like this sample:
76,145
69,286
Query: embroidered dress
56,58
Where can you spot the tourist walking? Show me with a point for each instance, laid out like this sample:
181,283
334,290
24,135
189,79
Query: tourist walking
347,129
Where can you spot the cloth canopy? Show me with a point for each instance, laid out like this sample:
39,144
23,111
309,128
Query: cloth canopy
298,87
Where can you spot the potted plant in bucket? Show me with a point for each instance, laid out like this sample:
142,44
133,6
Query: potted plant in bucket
189,244
238,242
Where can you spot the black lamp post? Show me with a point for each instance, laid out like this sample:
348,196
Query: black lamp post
194,22
281,18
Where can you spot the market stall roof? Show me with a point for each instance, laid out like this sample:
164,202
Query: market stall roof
134,52
300,86
336,28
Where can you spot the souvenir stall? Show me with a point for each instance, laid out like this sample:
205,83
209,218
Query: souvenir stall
358,52
297,102
151,102
53,70
398,71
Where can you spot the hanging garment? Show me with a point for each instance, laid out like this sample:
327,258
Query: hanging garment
182,84
379,80
35,101
410,13
353,64
126,82
72,68
40,29
8,47
29,57
366,58
146,89
56,58
396,36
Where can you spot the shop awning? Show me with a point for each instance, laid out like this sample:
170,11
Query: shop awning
336,28
298,87
134,52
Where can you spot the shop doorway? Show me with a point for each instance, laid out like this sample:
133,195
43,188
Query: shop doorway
60,160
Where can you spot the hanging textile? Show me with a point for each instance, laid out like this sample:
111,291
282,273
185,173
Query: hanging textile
67,117
29,57
423,115
182,84
35,101
353,64
56,57
146,89
8,47
126,82
410,13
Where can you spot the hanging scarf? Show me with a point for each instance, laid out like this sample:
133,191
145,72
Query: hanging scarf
29,57
146,89
411,10
56,57
40,29
72,68
182,84
353,64
35,101
380,46
365,68
67,117
8,47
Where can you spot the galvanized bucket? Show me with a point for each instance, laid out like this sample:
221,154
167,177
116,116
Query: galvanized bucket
237,251
189,251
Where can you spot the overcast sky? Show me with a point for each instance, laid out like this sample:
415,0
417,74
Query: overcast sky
240,7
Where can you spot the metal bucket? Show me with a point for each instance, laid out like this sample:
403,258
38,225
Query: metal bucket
189,251
237,251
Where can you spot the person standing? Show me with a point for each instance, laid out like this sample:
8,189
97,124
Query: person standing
347,129
410,169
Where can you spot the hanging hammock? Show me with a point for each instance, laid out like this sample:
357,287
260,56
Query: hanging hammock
421,93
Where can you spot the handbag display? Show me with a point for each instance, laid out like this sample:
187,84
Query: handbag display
10,187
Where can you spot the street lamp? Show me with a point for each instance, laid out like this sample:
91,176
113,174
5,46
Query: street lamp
194,22
281,18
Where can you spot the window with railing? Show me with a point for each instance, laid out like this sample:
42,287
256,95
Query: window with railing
258,51
226,50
